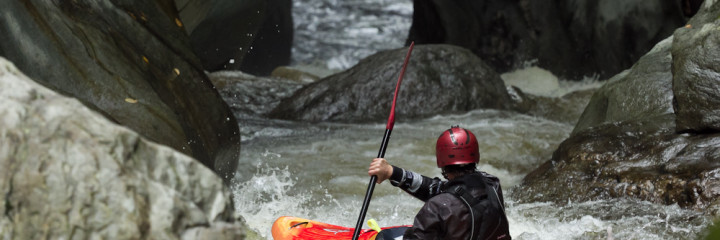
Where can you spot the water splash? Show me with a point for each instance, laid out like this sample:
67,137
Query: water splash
604,219
265,197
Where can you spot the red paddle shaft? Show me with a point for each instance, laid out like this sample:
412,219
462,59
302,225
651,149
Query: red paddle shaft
383,146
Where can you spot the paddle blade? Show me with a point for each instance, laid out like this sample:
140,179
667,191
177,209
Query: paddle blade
391,119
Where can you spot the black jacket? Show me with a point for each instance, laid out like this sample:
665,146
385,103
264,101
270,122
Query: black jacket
446,216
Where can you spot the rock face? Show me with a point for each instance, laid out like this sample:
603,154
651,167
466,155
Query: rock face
130,61
571,38
619,99
439,79
254,36
67,172
696,68
632,142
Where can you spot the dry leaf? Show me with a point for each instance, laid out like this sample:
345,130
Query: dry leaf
178,22
177,71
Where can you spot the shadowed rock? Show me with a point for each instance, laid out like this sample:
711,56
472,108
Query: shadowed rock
192,12
439,79
130,61
253,36
570,38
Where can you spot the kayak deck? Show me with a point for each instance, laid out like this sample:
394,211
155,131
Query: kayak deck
294,228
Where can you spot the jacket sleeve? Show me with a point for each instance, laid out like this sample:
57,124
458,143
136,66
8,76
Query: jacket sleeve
419,186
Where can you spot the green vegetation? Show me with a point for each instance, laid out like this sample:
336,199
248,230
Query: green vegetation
713,231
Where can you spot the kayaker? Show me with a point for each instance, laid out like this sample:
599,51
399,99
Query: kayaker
469,205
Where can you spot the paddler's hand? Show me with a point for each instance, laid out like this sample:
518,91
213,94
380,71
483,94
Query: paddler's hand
380,168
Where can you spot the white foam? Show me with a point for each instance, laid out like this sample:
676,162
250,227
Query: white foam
537,81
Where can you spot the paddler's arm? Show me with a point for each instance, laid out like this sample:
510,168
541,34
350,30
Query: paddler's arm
419,186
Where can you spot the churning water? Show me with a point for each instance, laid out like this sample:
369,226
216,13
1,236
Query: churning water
319,171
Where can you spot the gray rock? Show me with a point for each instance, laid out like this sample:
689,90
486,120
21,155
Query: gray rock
67,172
250,96
626,144
617,161
696,73
439,79
641,92
130,61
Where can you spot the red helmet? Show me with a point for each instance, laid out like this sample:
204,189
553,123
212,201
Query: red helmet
456,146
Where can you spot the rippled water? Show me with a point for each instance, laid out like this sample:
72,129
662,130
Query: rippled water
336,34
319,171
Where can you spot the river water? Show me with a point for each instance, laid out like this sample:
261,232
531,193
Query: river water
319,171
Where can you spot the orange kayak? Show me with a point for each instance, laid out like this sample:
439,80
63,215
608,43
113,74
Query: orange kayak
293,228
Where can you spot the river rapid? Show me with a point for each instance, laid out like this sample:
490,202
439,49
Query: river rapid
319,170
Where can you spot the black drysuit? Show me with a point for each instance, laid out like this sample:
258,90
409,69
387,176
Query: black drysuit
446,213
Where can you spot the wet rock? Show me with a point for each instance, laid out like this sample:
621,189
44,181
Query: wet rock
618,100
132,62
253,36
570,38
66,172
627,144
439,79
294,74
696,71
617,161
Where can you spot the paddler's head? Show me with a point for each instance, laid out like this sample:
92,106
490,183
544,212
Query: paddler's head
457,152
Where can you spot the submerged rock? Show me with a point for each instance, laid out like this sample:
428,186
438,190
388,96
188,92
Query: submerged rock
67,172
632,141
439,79
129,60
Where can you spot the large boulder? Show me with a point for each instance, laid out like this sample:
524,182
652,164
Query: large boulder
696,71
439,79
641,92
67,172
627,142
254,36
132,62
571,38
